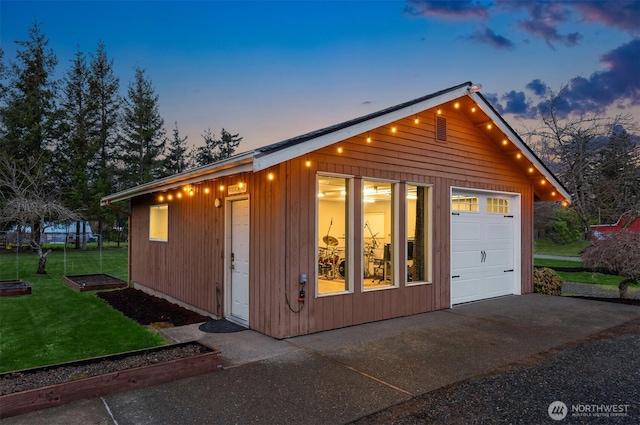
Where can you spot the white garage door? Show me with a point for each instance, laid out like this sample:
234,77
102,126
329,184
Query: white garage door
483,227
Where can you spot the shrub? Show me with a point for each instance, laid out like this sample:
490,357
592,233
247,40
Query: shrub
620,253
546,281
564,227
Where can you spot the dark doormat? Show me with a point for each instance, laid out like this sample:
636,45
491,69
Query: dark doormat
220,327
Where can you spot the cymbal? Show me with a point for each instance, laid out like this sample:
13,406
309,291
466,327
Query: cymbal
330,240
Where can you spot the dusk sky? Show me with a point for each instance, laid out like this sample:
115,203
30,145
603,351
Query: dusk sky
271,70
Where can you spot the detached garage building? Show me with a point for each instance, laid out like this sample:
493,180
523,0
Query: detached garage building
410,209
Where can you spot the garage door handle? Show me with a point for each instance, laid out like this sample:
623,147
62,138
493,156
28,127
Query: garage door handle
507,271
455,277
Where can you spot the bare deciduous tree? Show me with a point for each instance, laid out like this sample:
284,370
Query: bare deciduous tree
573,145
26,200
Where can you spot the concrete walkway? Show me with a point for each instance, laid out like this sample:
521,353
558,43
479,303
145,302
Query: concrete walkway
337,376
557,257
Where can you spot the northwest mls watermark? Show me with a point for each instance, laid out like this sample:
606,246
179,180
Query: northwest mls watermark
558,410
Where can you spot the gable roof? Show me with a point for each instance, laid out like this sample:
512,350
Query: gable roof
270,155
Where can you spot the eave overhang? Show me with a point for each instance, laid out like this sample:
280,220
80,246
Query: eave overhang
546,186
236,164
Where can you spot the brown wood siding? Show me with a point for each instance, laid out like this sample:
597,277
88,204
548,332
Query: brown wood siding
185,267
283,221
468,160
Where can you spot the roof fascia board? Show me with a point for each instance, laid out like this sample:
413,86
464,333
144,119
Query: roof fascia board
239,165
519,143
267,160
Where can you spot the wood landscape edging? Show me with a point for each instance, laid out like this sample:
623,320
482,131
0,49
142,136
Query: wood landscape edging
11,288
128,379
115,284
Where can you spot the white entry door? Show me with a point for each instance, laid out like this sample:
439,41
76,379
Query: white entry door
483,227
238,261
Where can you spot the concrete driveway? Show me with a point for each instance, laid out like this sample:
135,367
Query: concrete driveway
338,376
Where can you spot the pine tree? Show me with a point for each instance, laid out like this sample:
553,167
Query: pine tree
142,142
28,115
177,159
216,149
77,142
3,71
103,89
617,188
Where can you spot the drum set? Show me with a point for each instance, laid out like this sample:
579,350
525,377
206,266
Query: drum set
331,261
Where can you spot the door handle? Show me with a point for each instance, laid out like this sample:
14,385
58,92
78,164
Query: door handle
232,260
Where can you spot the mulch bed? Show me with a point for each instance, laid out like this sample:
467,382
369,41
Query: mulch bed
627,301
147,309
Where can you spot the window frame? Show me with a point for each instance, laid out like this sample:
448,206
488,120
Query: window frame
349,224
395,232
428,235
153,218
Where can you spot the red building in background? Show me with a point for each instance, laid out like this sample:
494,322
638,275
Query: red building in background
601,230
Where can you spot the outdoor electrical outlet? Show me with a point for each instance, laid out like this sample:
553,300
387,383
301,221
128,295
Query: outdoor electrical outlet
303,279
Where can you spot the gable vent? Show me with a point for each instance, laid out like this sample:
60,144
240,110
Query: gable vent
441,129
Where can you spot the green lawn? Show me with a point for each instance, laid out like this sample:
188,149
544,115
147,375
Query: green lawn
547,247
590,277
56,324
543,246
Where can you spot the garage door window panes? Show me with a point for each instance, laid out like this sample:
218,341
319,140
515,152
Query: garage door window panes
418,234
465,203
378,237
497,205
332,230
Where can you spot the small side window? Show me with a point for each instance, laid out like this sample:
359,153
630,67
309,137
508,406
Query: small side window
159,222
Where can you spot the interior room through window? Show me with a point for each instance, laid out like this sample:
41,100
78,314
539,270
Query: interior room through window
377,207
332,231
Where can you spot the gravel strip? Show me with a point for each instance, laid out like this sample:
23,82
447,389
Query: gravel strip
589,375
35,378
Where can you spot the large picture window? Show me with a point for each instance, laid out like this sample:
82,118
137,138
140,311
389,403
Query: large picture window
333,196
159,222
418,235
378,236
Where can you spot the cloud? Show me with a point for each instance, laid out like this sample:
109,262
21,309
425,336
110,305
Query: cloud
538,87
604,88
618,85
516,103
492,98
448,9
621,14
487,36
549,33
544,19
